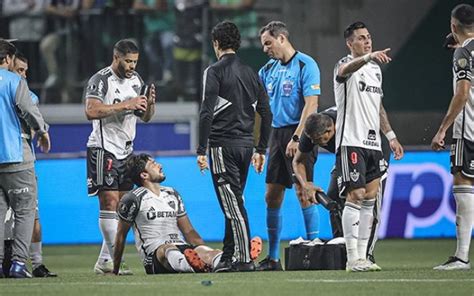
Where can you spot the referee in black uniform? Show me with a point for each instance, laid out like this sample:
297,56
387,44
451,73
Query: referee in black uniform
232,92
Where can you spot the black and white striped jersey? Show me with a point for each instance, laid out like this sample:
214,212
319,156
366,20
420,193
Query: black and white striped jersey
116,132
154,218
232,93
462,70
358,99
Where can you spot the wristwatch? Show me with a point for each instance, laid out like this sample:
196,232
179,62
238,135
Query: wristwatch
295,138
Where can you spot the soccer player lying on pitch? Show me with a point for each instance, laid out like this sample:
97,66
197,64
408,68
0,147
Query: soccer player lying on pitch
159,222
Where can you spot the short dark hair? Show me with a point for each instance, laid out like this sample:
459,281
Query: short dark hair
20,56
136,165
6,49
349,31
125,46
464,14
227,35
275,28
317,124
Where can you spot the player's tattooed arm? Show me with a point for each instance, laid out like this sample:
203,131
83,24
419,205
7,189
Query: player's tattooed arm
385,126
96,109
381,57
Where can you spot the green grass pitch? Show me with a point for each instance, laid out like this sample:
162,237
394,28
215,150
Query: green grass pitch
407,270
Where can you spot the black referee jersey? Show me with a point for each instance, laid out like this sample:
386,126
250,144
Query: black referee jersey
232,92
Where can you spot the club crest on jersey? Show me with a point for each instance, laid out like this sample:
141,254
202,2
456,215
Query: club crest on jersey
109,180
354,175
123,208
172,204
287,87
462,63
379,76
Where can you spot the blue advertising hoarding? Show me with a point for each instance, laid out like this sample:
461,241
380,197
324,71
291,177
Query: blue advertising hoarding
418,202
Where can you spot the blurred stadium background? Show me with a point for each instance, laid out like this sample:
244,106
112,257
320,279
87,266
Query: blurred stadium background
66,45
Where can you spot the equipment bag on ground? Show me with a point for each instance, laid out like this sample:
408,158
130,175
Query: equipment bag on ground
318,257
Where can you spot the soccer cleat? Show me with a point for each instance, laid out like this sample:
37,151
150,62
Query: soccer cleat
256,245
454,263
42,271
359,265
243,266
124,269
18,270
374,267
225,265
269,264
195,261
103,267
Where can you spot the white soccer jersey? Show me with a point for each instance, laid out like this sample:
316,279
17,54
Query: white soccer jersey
462,70
154,218
117,132
358,99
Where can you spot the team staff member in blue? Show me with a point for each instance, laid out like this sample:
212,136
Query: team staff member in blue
17,175
292,82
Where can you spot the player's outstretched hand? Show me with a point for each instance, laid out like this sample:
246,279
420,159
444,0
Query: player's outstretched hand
44,143
381,56
397,149
258,161
437,143
202,163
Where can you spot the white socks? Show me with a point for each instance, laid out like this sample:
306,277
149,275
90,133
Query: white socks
108,227
177,260
464,195
350,227
365,226
36,254
104,253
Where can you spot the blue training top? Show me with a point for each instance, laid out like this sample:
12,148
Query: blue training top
288,84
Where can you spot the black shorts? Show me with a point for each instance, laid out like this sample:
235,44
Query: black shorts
105,172
279,169
358,166
153,266
462,157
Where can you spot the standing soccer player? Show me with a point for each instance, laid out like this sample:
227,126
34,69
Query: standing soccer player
112,100
232,93
359,160
292,82
461,113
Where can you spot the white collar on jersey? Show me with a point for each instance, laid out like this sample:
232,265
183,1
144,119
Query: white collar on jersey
467,41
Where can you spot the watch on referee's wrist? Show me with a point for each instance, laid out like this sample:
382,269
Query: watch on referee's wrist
295,138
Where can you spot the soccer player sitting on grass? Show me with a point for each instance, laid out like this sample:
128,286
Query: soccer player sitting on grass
160,221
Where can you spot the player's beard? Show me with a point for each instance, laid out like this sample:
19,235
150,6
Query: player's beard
160,178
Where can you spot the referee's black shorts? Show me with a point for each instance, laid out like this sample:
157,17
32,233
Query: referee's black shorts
279,168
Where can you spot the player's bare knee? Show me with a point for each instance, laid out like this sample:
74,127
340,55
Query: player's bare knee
161,252
108,200
274,195
356,196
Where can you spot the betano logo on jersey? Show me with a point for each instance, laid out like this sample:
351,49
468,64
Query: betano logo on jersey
370,88
152,214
